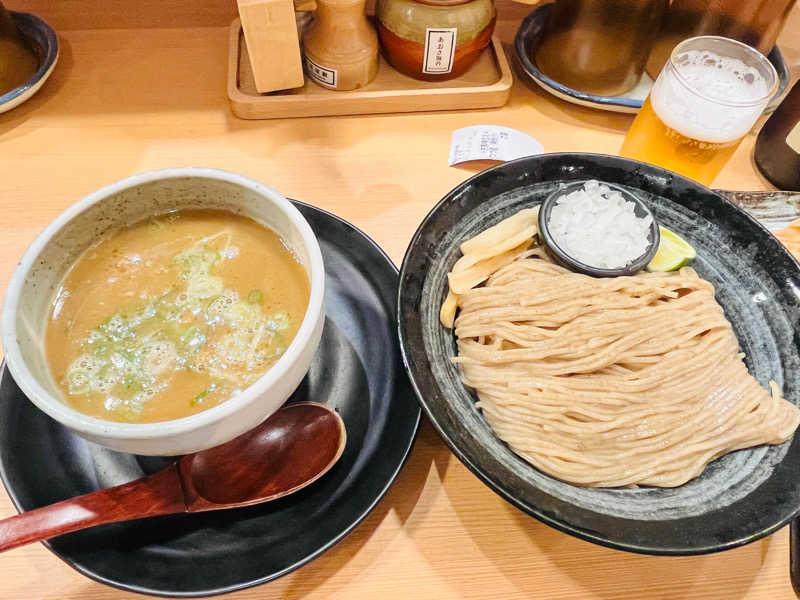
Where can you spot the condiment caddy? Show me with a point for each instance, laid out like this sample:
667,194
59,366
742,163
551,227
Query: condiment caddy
485,84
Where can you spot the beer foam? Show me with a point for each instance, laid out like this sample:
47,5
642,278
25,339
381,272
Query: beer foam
716,79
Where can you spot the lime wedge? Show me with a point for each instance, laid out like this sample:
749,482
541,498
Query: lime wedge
673,252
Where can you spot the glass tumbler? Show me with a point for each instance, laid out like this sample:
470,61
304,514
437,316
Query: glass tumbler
705,100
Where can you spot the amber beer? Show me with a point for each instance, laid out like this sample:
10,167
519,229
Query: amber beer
651,140
706,99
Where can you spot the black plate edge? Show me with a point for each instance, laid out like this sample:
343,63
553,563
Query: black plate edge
532,510
297,565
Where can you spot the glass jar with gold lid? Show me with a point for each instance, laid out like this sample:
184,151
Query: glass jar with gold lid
435,39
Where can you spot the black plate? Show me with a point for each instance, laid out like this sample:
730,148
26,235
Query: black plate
738,498
212,553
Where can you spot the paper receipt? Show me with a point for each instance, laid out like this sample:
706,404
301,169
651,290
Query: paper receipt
492,142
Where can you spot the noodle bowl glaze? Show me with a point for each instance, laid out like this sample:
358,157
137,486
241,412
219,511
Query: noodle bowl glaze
602,382
739,497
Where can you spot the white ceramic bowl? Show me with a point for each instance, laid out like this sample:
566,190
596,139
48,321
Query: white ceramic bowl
34,282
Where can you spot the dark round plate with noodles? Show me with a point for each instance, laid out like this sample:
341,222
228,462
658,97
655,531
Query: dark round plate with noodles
738,498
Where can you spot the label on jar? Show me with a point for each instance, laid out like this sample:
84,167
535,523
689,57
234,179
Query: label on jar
793,139
440,47
323,75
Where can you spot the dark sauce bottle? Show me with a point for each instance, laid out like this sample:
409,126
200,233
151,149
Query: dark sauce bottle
754,22
777,152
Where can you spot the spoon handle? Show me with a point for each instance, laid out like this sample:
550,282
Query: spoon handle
158,494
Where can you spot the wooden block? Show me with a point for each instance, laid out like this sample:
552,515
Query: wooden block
271,32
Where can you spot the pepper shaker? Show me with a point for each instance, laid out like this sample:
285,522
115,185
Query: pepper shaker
341,46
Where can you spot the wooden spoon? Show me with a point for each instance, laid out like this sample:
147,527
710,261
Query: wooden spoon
294,447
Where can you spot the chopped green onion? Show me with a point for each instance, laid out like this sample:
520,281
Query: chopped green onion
188,337
129,410
197,259
103,350
78,381
132,384
255,297
203,286
199,398
279,321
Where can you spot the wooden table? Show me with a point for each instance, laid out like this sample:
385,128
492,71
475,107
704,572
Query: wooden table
140,85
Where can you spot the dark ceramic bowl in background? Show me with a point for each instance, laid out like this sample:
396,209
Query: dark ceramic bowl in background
44,42
739,497
565,259
530,34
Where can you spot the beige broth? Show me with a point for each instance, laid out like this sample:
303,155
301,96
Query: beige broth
173,315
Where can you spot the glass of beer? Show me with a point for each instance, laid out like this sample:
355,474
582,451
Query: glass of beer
705,100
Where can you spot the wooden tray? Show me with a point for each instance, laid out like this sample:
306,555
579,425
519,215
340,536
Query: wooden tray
486,85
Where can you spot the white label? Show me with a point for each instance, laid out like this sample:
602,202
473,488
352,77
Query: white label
324,75
793,139
440,47
491,142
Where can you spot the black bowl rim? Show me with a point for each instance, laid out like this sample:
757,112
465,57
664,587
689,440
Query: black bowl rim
574,264
533,511
25,22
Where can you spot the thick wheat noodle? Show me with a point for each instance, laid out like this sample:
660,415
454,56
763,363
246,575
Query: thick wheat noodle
612,382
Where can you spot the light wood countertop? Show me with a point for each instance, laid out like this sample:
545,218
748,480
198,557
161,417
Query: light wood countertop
141,85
